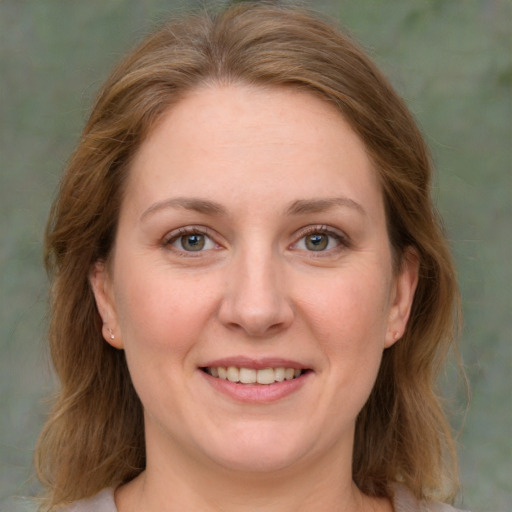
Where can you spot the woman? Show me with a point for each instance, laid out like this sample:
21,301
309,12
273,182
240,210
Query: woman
252,295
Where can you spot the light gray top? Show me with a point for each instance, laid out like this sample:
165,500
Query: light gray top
404,501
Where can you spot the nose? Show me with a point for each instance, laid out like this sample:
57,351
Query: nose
255,297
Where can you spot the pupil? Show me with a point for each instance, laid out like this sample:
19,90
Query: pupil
192,242
317,242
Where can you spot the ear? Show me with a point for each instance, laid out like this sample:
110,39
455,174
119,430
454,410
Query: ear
402,296
101,285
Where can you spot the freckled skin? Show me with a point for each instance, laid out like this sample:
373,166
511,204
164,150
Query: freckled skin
256,289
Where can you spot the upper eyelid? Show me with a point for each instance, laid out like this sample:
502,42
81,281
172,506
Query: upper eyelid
187,230
322,228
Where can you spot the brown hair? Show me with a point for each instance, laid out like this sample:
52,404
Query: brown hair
95,435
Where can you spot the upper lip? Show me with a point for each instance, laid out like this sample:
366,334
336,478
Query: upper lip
255,363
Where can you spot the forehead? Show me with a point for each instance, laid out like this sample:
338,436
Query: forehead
224,114
253,140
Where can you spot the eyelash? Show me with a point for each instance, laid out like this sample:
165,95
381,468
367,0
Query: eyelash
341,239
187,231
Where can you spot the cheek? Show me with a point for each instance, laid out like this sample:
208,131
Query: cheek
159,312
349,322
351,306
162,321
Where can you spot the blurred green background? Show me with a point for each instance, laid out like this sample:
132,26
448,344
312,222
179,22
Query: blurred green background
450,59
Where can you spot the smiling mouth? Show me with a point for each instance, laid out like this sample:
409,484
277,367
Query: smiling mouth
265,376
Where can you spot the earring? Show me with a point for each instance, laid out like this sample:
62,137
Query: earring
112,337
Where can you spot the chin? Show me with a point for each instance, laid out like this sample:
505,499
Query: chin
259,450
256,462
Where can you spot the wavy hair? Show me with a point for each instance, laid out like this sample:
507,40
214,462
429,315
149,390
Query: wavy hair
94,436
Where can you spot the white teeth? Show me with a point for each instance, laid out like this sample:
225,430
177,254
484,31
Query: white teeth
233,374
279,374
247,375
252,376
266,376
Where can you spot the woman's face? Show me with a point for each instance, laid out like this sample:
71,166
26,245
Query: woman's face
252,242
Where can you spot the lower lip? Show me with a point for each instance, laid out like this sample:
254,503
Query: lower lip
257,393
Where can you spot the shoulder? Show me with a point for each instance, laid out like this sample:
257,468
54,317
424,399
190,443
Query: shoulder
405,501
101,502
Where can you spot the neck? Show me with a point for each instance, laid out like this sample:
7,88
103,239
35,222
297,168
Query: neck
177,482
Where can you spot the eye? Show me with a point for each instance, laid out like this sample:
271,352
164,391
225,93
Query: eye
316,242
191,240
320,239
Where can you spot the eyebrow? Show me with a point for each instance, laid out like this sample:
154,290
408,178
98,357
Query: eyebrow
187,203
303,206
298,207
